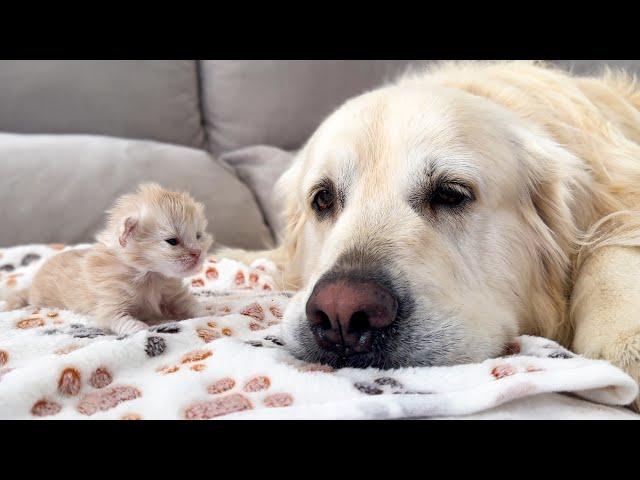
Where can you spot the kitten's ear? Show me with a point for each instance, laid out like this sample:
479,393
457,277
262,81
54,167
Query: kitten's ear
128,228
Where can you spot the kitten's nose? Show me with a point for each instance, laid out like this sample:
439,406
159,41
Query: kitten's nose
195,254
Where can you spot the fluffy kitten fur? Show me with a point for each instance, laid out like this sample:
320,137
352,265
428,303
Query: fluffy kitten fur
133,274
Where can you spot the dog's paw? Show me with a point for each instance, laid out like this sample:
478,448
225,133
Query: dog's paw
623,351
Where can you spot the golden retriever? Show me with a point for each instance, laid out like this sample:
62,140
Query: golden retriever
433,219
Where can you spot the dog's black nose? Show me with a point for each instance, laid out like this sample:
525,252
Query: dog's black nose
346,314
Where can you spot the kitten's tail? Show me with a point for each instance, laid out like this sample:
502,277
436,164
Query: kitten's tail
17,300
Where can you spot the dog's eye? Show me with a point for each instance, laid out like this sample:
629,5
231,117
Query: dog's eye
172,241
450,196
323,201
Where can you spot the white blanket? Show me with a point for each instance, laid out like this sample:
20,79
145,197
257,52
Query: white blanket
232,365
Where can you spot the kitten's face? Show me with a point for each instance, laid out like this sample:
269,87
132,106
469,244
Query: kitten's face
170,238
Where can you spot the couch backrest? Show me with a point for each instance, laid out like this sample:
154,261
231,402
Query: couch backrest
140,99
222,104
280,102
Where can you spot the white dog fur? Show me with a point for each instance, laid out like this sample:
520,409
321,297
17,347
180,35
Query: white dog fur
545,242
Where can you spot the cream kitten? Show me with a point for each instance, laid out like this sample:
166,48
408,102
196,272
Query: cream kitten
153,239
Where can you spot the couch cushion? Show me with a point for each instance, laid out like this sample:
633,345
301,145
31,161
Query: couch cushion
260,167
280,102
591,67
145,99
55,188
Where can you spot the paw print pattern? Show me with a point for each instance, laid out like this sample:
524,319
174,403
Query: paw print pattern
278,400
257,383
29,258
45,408
382,385
217,407
67,349
212,273
69,383
221,386
254,310
368,388
166,328
561,354
260,319
168,369
32,321
208,335
155,346
196,356
131,416
275,340
106,398
315,367
253,386
82,331
388,381
100,378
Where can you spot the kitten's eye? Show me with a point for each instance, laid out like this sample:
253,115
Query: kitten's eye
198,236
450,196
172,241
322,201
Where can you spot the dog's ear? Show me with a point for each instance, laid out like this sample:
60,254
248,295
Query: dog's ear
286,191
128,229
553,180
553,176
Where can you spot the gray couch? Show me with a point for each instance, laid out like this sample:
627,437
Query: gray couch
76,134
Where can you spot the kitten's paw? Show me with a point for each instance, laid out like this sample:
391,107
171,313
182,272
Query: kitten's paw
168,310
183,312
129,326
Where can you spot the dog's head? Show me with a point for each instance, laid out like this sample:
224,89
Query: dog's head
425,226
